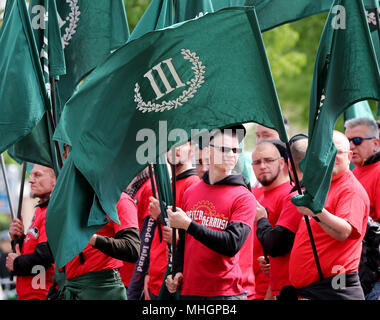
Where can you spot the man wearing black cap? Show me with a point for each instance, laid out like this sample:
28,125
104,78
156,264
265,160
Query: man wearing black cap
217,215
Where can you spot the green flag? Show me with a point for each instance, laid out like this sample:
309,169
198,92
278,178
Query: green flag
270,13
189,9
158,15
22,89
346,72
166,82
90,31
38,146
359,110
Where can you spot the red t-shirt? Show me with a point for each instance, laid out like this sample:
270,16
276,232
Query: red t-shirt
348,200
206,272
158,260
246,266
94,259
289,218
273,201
369,177
35,235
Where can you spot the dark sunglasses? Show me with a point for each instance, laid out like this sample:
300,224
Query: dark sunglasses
357,141
227,149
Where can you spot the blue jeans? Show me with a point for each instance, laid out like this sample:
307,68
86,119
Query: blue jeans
375,293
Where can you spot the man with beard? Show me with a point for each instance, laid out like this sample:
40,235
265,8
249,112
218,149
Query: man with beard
277,240
33,259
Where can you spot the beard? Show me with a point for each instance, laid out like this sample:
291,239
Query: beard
267,180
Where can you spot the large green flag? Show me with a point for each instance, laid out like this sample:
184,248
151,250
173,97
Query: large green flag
22,88
127,111
90,31
37,147
270,13
346,72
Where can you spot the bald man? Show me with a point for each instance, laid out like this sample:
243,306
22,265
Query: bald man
33,261
338,237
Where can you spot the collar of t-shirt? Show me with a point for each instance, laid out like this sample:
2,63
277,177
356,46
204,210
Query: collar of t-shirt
43,204
231,180
372,159
186,174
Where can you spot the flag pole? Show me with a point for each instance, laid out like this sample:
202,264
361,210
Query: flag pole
174,235
151,176
7,186
299,189
52,116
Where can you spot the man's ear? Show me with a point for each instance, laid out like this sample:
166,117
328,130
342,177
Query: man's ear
349,155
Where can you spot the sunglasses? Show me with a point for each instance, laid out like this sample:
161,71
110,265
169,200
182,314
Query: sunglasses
357,141
226,149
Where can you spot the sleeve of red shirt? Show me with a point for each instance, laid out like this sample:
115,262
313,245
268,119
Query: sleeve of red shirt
244,209
351,208
40,224
127,212
289,217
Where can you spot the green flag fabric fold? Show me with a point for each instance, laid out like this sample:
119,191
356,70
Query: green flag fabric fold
359,110
176,79
23,95
346,71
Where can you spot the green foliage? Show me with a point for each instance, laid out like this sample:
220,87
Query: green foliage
135,9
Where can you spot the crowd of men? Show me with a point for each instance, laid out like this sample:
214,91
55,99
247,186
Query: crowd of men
234,241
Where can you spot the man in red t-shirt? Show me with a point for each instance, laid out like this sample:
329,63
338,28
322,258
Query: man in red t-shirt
93,274
218,213
268,165
186,176
363,135
338,237
33,262
365,146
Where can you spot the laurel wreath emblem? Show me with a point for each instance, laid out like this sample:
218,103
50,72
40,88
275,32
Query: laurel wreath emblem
194,84
73,22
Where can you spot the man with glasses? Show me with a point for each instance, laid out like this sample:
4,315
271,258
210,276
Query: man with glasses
363,135
268,165
218,213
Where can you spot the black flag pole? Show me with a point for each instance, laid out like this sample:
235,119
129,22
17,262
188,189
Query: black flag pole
174,235
151,176
7,186
299,190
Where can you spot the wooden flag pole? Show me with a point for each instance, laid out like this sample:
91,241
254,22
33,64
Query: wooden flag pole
299,189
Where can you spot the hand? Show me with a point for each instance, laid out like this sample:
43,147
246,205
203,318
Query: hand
173,285
264,266
178,219
261,212
154,208
9,262
16,229
167,233
93,240
146,291
306,211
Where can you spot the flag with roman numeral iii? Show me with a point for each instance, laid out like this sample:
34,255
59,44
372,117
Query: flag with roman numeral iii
158,90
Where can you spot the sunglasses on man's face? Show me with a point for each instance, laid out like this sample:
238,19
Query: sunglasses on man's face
357,141
226,149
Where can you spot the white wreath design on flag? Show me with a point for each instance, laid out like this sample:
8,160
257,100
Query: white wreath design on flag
74,19
195,83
